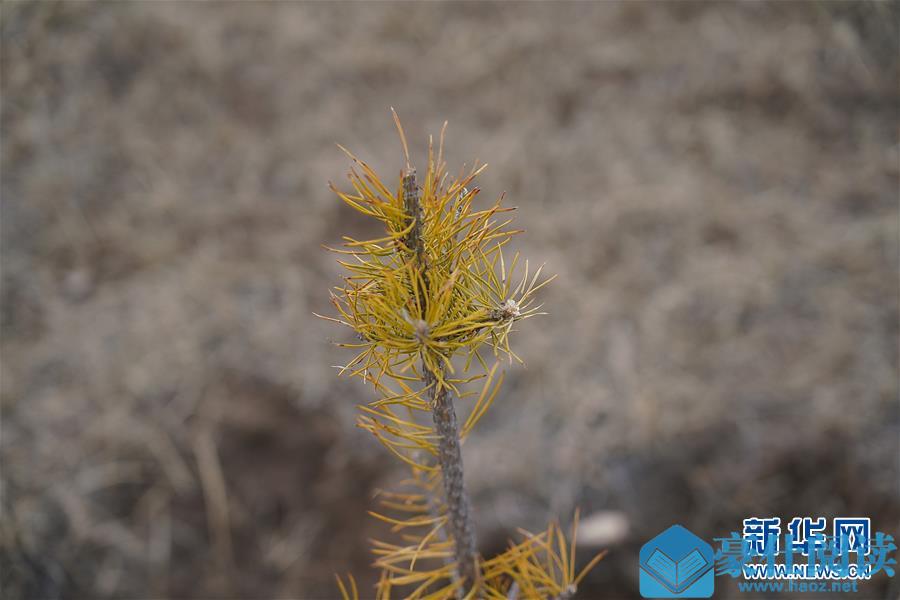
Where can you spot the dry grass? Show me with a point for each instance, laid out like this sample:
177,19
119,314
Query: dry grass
716,185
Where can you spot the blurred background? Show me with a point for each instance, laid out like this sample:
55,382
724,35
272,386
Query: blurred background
715,184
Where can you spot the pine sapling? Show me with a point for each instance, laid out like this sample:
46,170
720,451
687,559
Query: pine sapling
432,304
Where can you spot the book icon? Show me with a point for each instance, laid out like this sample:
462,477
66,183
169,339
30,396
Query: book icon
676,564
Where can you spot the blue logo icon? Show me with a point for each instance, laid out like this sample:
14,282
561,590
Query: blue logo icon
677,564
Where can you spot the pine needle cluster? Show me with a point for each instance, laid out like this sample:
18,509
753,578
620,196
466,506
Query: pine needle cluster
431,305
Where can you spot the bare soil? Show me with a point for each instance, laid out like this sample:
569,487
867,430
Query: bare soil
715,184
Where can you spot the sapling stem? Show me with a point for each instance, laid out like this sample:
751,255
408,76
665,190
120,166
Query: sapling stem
459,514
456,499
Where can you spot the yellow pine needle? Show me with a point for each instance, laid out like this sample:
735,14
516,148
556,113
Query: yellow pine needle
484,402
415,465
587,568
353,592
385,413
406,577
425,540
402,136
417,593
413,522
445,592
404,507
563,555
